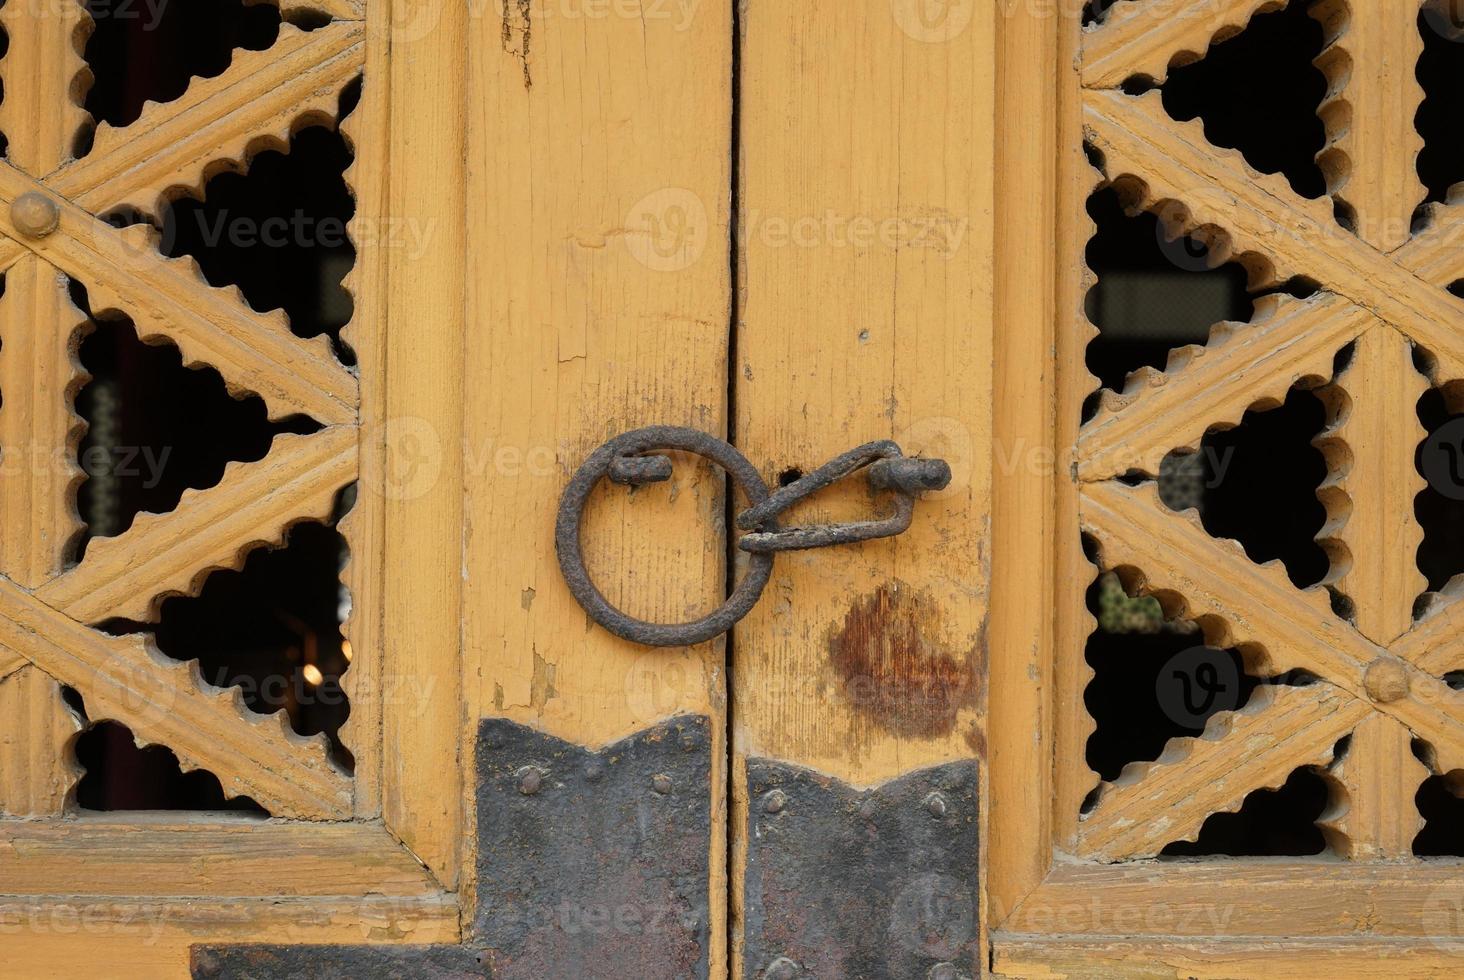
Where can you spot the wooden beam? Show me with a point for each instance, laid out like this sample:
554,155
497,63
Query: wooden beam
37,762
39,429
1376,818
1146,38
44,72
255,504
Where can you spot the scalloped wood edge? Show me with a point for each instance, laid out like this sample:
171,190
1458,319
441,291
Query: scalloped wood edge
1133,40
46,78
1242,367
219,124
1373,817
1258,747
1371,534
1372,146
38,768
253,504
167,702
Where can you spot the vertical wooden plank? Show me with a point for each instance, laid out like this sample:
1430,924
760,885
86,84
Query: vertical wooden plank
39,428
598,209
37,769
422,790
865,257
376,239
1380,775
1076,178
1372,153
1373,536
1019,832
46,77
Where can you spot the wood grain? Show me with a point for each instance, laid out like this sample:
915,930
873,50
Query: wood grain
1372,144
421,479
254,505
37,764
40,330
1373,536
1376,819
599,235
46,79
166,702
1145,39
218,123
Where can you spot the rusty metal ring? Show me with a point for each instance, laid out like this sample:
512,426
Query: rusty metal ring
571,555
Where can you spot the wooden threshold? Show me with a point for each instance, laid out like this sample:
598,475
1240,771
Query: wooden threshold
1050,958
1259,899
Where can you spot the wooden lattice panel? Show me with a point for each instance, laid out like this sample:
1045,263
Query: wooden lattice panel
1381,292
48,606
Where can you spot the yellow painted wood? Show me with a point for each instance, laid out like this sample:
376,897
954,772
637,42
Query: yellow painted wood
1371,160
37,768
1372,534
1046,958
40,330
424,774
1145,39
598,224
45,78
1376,818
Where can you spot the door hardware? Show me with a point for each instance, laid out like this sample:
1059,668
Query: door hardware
630,460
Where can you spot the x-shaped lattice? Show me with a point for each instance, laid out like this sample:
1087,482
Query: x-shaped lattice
1380,289
51,210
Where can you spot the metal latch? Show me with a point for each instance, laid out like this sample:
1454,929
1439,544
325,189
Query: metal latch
630,460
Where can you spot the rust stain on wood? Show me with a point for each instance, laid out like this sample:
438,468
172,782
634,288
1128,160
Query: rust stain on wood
896,669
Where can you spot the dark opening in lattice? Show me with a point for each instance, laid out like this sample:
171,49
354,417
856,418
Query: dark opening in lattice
1439,507
120,776
1441,74
278,232
1258,92
1152,294
1154,678
272,629
1441,802
140,52
156,429
1257,483
1271,823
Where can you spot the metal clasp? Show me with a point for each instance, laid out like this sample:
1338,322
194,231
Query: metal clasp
627,460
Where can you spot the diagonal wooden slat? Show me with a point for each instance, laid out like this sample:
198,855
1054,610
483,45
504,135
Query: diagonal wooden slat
1435,645
1373,539
39,429
1256,603
1145,39
1377,819
217,123
167,703
169,298
37,764
45,77
1261,214
166,554
1436,254
1156,803
10,662
1240,602
11,252
1371,159
1243,364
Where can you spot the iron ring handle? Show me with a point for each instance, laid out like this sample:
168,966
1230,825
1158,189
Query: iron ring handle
633,467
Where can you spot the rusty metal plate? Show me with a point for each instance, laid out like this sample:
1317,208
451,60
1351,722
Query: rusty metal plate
594,864
337,963
878,883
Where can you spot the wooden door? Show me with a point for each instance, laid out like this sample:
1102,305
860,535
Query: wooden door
800,227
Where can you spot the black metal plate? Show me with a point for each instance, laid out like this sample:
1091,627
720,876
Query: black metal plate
875,884
594,864
337,963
